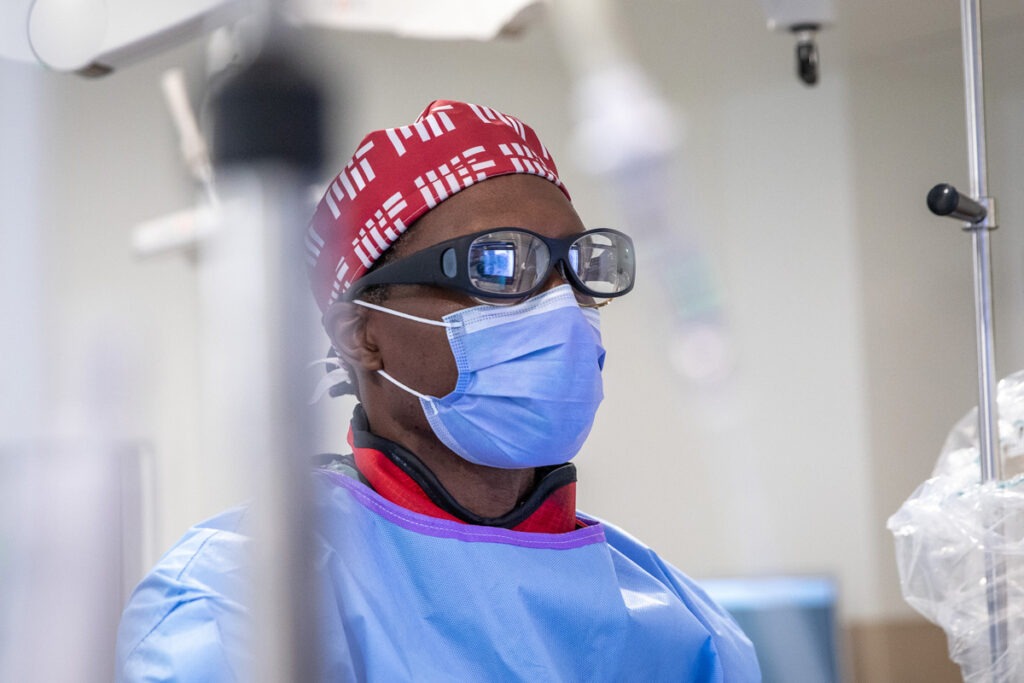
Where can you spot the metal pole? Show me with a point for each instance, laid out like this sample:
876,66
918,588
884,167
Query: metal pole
988,434
268,145
975,106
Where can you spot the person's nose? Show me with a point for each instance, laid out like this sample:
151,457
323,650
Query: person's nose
556,278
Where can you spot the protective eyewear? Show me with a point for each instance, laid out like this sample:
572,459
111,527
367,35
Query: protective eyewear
513,263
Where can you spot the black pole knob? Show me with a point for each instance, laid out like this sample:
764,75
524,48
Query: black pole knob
944,200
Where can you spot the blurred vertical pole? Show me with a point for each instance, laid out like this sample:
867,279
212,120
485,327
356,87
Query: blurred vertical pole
60,531
21,336
267,142
21,275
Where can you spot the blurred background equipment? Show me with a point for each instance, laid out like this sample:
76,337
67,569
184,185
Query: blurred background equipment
792,622
803,19
96,37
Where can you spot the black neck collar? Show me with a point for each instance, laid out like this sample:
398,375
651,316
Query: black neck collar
548,479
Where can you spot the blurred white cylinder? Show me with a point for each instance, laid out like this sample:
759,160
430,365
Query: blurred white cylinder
256,327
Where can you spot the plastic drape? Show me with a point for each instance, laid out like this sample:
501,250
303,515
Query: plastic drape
960,543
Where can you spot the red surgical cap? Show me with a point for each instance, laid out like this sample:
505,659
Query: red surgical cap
398,174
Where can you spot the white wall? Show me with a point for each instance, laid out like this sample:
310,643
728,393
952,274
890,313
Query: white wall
850,306
765,472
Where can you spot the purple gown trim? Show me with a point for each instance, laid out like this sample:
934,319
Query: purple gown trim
443,528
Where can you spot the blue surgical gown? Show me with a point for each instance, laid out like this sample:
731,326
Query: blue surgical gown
411,597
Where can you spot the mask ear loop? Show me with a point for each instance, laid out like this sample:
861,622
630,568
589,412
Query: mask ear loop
403,387
427,400
338,382
407,316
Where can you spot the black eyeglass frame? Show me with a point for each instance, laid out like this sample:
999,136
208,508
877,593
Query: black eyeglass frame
446,264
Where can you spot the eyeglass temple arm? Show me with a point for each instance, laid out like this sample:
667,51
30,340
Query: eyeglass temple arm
421,268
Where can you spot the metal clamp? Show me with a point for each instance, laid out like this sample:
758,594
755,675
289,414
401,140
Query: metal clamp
977,214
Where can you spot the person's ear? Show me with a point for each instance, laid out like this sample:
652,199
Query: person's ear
345,324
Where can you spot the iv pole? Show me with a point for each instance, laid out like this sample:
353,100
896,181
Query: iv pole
978,213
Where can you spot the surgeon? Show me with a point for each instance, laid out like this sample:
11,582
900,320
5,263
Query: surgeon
461,293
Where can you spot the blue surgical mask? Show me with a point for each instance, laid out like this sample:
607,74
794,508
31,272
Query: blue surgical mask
529,380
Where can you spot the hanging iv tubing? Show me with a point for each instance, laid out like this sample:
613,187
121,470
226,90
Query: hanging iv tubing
978,213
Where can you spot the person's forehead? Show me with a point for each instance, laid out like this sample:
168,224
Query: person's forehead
519,200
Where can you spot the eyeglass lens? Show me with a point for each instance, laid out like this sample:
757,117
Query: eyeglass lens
603,262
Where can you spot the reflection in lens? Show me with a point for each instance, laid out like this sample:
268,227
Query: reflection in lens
495,262
507,262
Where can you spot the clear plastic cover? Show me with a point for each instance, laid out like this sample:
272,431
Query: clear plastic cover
960,546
